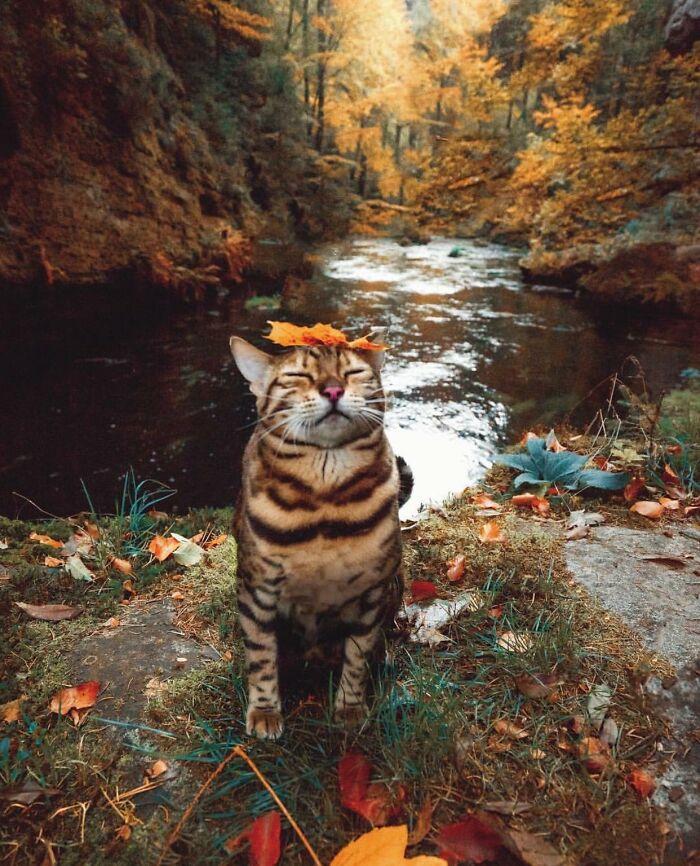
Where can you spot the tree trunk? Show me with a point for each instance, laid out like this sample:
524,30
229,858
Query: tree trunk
320,80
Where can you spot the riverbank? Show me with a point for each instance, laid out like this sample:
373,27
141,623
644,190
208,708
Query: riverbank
537,702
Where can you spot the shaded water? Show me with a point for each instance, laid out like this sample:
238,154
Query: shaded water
100,382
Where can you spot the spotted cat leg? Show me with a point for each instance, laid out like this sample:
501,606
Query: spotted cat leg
258,613
350,705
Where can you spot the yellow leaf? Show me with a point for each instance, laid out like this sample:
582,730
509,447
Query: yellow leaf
383,846
286,334
45,539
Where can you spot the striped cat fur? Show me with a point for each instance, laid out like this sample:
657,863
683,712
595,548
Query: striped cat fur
317,522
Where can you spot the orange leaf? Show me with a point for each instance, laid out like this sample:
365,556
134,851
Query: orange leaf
483,500
12,710
652,510
508,729
93,530
669,475
540,504
384,846
633,489
122,565
215,542
286,334
669,504
455,571
75,697
162,548
642,782
491,533
52,562
523,500
45,539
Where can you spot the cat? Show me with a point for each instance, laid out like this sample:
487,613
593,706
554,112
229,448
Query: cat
317,521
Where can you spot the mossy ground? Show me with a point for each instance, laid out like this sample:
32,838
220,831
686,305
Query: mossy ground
430,735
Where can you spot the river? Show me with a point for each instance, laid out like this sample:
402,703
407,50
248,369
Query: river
97,381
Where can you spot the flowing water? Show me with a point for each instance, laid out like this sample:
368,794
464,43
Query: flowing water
96,381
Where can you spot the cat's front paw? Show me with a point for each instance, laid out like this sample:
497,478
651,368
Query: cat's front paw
264,724
351,715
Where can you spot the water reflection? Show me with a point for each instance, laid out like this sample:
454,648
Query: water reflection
111,380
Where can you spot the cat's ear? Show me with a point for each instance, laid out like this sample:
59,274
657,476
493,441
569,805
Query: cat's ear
253,363
374,357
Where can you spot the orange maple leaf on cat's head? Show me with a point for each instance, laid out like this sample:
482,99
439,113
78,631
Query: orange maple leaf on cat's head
286,334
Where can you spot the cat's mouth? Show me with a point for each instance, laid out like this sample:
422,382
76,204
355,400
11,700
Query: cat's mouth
333,412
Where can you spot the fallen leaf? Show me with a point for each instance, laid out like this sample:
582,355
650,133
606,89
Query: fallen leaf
642,782
177,595
669,504
154,687
523,500
599,700
483,500
374,801
157,768
594,754
52,562
29,792
530,849
507,807
421,826
77,568
426,620
162,547
188,553
45,539
552,443
154,514
215,542
421,590
537,754
634,488
50,612
469,839
691,509
669,475
12,710
122,565
77,697
455,571
80,542
675,562
286,334
113,622
584,518
535,685
3,544
498,745
508,729
496,612
609,732
577,533
93,530
652,510
515,642
491,533
385,846
264,836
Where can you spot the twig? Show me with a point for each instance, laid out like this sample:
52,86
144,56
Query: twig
237,751
240,751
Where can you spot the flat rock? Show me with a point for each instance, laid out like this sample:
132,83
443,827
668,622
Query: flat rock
132,660
660,602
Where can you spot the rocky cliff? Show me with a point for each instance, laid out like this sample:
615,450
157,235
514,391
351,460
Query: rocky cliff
130,135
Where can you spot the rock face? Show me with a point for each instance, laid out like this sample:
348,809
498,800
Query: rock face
683,27
125,131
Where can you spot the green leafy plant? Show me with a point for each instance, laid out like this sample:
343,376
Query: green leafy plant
562,469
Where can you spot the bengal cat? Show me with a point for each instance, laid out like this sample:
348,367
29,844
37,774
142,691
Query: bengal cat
317,520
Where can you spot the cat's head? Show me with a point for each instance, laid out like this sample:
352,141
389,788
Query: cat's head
322,395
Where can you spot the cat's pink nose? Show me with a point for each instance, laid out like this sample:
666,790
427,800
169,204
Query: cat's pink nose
333,392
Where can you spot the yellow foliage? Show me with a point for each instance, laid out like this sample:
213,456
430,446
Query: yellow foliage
232,20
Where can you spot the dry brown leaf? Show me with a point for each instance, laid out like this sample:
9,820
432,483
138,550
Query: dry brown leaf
483,500
50,612
507,807
652,510
80,697
122,565
509,729
93,530
642,782
490,533
12,710
536,685
52,562
177,595
421,826
577,533
455,569
162,547
537,754
669,504
45,539
530,849
675,562
515,641
156,769
215,542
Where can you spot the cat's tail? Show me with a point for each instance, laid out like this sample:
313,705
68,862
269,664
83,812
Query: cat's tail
405,481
